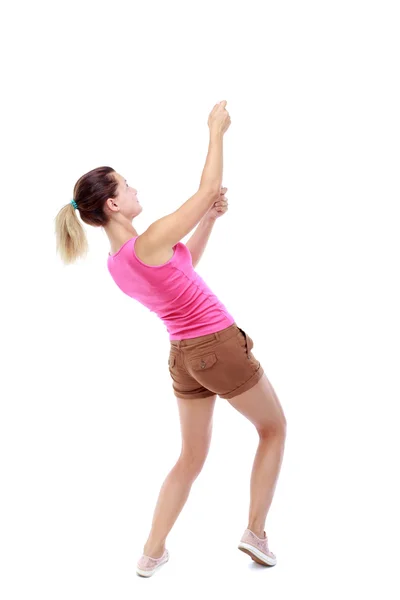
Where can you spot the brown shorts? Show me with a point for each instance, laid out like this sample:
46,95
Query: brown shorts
218,363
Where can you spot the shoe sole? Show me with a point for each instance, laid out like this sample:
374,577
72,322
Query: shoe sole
258,556
143,573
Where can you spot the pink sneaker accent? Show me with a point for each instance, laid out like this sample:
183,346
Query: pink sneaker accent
257,548
147,566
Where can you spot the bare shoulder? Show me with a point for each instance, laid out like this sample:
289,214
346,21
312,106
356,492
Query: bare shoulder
150,251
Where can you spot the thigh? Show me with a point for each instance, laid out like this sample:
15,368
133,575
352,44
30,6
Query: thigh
196,417
261,406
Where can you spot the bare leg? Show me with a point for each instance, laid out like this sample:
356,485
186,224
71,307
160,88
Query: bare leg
195,416
261,406
172,498
266,467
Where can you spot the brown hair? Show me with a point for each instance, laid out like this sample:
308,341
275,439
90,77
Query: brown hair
90,193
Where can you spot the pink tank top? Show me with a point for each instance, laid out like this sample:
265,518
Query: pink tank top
173,290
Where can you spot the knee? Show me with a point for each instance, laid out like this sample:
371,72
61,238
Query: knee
275,428
190,465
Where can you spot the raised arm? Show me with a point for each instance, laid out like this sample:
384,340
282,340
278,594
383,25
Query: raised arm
169,230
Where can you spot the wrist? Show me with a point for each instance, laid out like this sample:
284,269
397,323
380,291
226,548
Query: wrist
216,134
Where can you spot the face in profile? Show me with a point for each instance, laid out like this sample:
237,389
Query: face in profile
128,202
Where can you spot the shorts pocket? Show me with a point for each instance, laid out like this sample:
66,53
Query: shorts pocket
200,363
249,342
245,341
171,361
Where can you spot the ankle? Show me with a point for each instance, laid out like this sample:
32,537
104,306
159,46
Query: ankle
153,552
256,530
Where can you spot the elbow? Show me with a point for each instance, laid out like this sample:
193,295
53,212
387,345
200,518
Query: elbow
212,190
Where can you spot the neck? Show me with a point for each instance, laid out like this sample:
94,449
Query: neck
119,233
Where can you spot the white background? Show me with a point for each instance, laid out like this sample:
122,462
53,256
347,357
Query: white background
306,260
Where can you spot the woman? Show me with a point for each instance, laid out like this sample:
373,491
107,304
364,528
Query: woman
209,354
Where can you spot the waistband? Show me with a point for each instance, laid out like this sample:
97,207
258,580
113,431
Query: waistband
222,335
